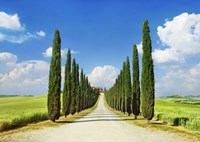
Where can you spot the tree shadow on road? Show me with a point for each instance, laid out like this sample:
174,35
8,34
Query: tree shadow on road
96,120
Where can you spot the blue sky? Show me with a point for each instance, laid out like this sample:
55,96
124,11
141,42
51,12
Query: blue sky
101,33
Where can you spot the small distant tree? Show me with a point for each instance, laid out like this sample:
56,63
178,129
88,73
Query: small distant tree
54,91
147,82
67,86
136,84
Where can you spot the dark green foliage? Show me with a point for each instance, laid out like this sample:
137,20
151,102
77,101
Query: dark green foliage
77,90
147,81
67,86
81,91
123,88
73,88
128,86
55,80
136,84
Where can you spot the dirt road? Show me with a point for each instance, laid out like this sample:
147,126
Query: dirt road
99,126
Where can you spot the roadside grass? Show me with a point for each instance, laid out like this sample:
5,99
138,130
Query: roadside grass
20,111
47,123
163,126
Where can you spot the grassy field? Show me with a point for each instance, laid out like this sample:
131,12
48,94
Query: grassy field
171,115
20,110
179,111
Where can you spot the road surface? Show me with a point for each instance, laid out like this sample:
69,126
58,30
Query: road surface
99,126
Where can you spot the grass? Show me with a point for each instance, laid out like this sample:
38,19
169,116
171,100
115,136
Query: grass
20,111
166,107
44,124
179,112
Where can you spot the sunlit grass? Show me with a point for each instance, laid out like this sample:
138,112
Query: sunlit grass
168,108
21,110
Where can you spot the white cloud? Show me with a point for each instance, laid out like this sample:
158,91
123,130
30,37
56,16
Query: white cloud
182,82
7,57
182,36
41,33
18,38
11,22
48,52
104,76
27,77
18,34
139,47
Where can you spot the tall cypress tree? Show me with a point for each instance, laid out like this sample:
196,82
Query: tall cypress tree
73,88
77,90
136,84
123,88
128,86
55,80
81,90
67,86
147,81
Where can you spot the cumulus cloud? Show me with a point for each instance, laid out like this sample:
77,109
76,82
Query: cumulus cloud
14,31
182,82
7,57
11,22
139,47
182,37
48,52
41,33
27,77
104,76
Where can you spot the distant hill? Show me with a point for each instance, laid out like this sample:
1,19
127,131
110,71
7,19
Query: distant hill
3,96
183,99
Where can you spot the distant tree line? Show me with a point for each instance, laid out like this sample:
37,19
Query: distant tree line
77,93
124,95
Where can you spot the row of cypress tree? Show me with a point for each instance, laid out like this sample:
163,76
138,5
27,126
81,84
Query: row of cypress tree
77,93
124,95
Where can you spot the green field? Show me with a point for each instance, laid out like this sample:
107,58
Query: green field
179,111
20,110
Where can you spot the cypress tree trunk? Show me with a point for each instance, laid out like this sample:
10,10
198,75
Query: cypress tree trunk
136,84
73,87
67,86
128,87
55,80
147,81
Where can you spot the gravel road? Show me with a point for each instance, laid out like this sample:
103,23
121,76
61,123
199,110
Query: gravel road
99,126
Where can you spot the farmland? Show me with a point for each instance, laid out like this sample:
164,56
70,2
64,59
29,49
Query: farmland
179,111
20,110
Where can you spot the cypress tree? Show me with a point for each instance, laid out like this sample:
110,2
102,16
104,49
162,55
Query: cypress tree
77,90
136,84
67,86
73,88
55,80
123,89
147,81
81,90
128,86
